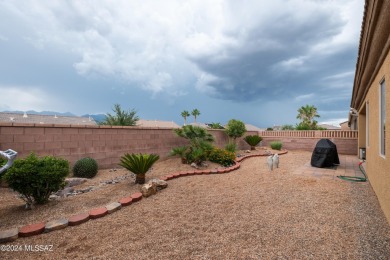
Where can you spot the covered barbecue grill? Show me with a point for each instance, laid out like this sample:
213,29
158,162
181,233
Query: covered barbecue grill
324,154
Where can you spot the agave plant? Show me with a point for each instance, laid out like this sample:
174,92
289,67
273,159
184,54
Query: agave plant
253,140
139,164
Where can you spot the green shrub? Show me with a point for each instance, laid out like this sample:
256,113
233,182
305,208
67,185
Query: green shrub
36,178
200,143
139,164
277,145
2,163
253,140
222,157
235,128
85,168
231,147
181,151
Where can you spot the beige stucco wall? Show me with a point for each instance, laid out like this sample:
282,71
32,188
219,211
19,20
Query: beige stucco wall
377,166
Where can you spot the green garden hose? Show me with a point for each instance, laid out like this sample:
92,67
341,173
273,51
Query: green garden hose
355,178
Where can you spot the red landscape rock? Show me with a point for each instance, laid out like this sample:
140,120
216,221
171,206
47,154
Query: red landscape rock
78,219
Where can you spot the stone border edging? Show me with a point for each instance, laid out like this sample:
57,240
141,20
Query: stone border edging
39,228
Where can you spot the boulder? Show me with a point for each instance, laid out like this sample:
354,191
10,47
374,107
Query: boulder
160,184
148,189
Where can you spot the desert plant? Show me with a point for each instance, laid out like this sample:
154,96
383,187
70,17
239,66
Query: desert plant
307,114
223,157
253,140
231,147
276,145
121,117
235,128
200,142
36,178
181,151
139,164
85,168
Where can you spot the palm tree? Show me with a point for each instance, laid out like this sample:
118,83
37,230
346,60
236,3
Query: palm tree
195,113
139,164
185,114
121,117
307,114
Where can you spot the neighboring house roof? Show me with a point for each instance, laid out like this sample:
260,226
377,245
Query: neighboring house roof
157,123
329,127
250,127
345,122
45,119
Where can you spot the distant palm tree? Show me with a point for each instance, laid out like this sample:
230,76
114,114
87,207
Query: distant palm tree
307,114
195,113
121,117
185,114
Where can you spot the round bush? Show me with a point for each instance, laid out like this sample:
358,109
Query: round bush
85,168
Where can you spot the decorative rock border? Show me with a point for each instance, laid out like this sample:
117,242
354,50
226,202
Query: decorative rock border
39,228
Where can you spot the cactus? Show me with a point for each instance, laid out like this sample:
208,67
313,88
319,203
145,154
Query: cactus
85,168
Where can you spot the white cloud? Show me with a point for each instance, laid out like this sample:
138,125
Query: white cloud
25,98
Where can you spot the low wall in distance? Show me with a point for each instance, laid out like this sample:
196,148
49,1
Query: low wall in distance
346,141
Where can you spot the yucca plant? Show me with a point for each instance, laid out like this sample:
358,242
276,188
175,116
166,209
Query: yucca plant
139,164
253,140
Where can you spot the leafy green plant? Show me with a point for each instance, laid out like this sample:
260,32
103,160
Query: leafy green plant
180,151
85,168
276,145
121,117
200,143
235,128
253,140
223,157
36,178
288,127
215,126
231,147
139,164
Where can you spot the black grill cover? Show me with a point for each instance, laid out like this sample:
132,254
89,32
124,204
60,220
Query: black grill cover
324,154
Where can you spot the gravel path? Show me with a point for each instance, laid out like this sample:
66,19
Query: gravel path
250,213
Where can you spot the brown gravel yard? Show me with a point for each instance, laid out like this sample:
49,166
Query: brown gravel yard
249,213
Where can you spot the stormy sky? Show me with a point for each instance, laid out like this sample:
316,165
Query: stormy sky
253,60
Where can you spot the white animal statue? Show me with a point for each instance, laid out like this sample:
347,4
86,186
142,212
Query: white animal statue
10,155
270,162
275,161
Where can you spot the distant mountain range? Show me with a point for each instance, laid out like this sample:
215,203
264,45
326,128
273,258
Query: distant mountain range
96,117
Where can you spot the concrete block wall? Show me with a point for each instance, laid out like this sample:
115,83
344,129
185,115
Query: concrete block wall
106,144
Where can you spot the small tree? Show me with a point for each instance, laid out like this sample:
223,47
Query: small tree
235,129
121,117
139,164
185,114
195,113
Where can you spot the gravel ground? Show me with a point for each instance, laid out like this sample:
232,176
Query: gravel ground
250,213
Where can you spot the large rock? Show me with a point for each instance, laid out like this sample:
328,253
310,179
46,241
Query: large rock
148,189
70,182
160,184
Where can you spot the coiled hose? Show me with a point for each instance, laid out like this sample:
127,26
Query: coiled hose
355,178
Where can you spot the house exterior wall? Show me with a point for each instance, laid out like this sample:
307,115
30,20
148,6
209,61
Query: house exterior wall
378,166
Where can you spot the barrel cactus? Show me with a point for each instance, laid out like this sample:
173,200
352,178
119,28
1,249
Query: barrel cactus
85,168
